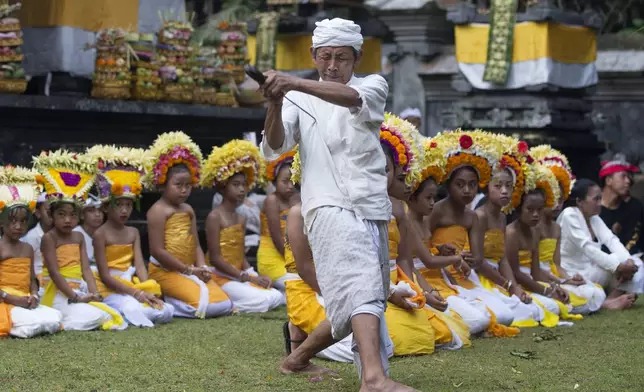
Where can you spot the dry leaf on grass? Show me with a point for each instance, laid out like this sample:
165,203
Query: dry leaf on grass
524,354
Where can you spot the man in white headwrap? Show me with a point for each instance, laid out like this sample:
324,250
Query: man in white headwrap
344,194
412,115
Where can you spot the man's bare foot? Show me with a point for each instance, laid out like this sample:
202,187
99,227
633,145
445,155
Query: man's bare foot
385,385
310,369
624,301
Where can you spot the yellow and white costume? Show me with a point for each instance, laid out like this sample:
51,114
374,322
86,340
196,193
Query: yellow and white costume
190,296
412,332
68,178
586,298
19,188
539,177
422,329
481,309
558,164
238,156
270,262
120,172
525,315
513,160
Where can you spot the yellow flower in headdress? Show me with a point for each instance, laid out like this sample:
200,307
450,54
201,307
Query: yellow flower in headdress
170,149
405,143
236,156
18,187
431,165
540,177
514,159
273,166
296,167
557,163
477,149
68,176
120,171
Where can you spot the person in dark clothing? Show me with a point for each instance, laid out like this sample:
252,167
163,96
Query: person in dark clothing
623,214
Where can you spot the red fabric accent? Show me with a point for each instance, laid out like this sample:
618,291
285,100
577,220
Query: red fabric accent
617,168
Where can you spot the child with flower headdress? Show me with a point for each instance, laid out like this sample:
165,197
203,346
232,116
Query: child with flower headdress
465,166
122,276
177,261
504,194
21,315
584,295
69,284
451,330
232,169
522,246
409,325
270,256
304,305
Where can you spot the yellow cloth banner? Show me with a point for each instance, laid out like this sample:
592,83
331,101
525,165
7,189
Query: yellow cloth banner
532,41
293,53
91,15
75,272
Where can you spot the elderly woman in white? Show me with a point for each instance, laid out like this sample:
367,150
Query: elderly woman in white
583,234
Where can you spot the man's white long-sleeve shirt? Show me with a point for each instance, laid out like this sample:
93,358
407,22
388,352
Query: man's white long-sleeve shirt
343,164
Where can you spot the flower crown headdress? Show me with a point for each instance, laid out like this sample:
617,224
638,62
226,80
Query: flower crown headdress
120,171
539,176
170,149
296,167
405,143
431,165
514,159
67,176
558,163
273,167
236,156
19,187
476,149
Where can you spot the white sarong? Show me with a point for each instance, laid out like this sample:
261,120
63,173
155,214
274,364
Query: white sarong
351,263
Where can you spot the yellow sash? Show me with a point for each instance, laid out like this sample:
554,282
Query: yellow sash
489,285
563,309
150,286
500,330
75,272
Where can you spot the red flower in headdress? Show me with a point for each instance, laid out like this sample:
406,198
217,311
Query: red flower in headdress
465,141
522,147
433,145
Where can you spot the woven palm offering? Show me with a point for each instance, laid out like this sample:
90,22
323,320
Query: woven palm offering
174,56
12,75
111,79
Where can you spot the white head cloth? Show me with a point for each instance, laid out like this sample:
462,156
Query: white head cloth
337,32
410,112
92,201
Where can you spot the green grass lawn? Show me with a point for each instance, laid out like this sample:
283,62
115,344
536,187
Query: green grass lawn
604,352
